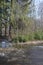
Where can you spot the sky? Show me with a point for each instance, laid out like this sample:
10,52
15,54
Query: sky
37,5
38,1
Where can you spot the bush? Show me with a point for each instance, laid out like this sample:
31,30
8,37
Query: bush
22,39
14,40
41,35
29,37
37,36
19,38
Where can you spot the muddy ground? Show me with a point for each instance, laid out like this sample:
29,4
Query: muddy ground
30,55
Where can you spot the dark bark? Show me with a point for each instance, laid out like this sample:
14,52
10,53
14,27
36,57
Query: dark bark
5,29
10,30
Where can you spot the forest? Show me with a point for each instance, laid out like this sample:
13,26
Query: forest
19,21
21,32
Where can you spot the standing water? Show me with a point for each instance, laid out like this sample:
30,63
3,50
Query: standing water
29,56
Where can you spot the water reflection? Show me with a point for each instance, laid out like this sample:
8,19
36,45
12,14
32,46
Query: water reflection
34,56
29,56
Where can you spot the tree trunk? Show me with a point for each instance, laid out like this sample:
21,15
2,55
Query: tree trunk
0,29
10,30
5,29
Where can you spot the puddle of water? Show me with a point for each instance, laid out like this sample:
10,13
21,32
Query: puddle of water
40,46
